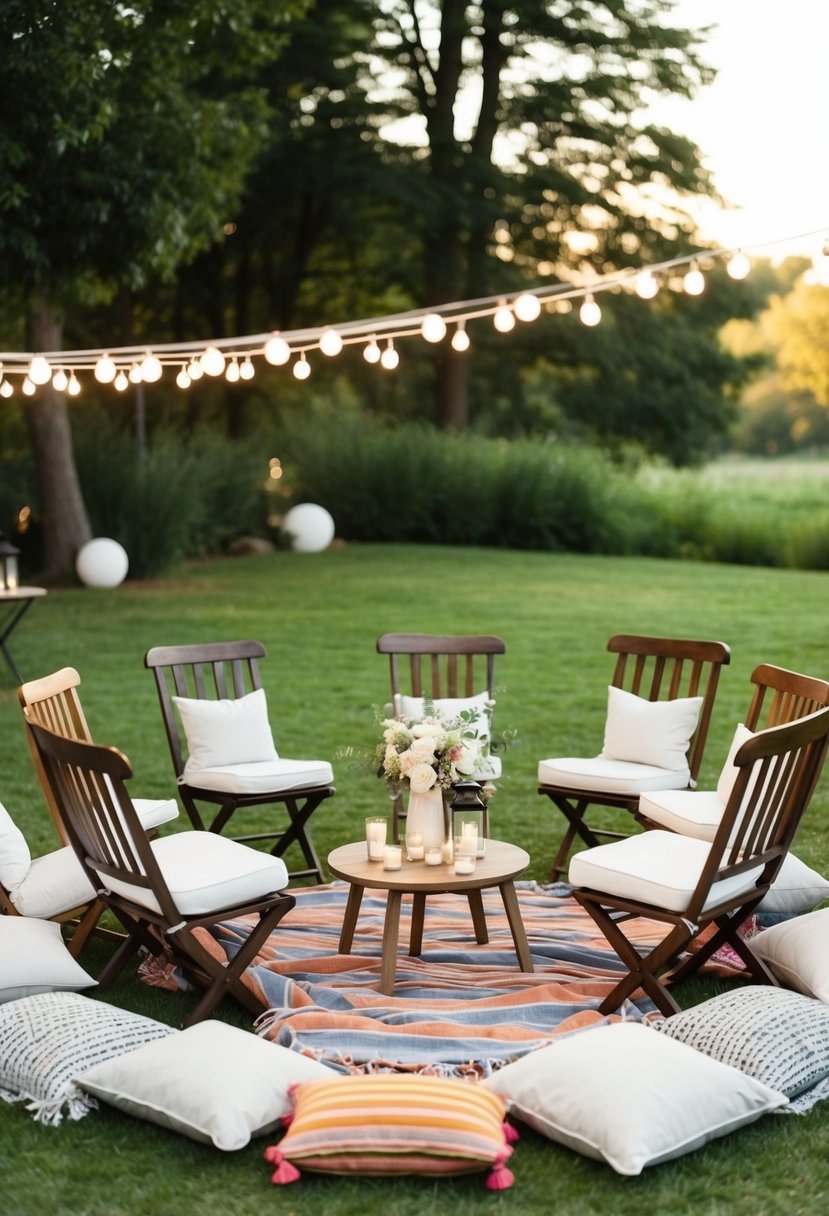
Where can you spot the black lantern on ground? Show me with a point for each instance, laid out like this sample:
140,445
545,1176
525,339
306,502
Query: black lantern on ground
468,815
9,578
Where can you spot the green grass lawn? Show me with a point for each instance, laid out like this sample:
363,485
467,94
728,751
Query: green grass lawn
319,617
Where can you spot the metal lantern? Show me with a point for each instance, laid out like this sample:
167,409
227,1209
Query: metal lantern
469,816
9,580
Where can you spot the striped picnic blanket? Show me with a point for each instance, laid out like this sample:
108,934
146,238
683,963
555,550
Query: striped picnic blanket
461,1009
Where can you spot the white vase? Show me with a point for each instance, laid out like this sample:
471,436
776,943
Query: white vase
424,814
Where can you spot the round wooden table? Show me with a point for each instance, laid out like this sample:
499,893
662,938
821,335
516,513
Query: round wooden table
502,863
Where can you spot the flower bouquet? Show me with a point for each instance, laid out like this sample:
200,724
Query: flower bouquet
434,751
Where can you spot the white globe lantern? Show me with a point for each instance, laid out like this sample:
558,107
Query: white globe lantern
102,563
309,527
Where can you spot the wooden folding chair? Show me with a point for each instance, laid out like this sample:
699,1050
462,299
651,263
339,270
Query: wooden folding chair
162,891
228,671
690,884
658,669
440,667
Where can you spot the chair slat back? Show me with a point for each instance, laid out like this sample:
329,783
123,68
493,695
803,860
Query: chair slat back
209,671
53,702
668,668
784,695
104,829
779,768
437,666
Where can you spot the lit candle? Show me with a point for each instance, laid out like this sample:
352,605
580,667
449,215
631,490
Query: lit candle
414,846
464,865
447,852
375,838
433,855
392,857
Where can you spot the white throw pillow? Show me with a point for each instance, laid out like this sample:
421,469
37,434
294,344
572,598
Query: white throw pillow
797,888
34,958
650,732
414,709
15,857
797,952
227,731
629,1097
728,774
213,1083
46,1040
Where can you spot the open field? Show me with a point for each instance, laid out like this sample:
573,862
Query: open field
319,617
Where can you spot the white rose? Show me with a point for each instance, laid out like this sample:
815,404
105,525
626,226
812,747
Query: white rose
469,759
407,762
426,730
421,778
424,749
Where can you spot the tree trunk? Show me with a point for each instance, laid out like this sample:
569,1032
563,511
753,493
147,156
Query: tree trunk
63,516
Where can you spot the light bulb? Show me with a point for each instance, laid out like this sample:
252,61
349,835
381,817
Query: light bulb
6,389
389,358
60,380
527,307
39,370
330,342
28,387
646,285
73,387
135,374
212,361
105,370
460,338
738,265
694,281
371,351
302,368
277,351
121,382
590,313
247,370
232,373
503,318
183,379
151,368
433,327
195,370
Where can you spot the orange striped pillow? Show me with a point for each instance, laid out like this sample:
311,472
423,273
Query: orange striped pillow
394,1124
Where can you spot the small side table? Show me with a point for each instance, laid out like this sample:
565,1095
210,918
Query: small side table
18,603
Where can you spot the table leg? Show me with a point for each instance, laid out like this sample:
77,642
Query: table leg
390,932
11,624
516,924
418,913
352,908
476,908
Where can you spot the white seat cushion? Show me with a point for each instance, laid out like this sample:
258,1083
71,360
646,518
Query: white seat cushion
659,868
260,777
694,813
603,775
54,884
154,811
206,872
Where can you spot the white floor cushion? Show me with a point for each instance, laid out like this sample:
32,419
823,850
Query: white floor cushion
206,872
34,958
261,777
797,953
604,775
660,868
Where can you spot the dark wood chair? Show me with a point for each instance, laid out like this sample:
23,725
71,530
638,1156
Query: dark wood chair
223,671
440,667
779,696
690,884
162,891
657,669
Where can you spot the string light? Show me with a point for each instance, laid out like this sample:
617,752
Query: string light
235,356
694,282
28,387
183,379
590,314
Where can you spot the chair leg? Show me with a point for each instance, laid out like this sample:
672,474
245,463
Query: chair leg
219,978
574,813
298,833
85,927
727,935
138,933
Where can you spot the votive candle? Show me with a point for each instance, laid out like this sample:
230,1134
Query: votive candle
375,838
392,857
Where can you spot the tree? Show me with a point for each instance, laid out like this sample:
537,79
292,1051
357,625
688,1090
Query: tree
130,148
531,116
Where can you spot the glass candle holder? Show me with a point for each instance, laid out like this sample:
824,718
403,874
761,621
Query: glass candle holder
375,838
414,846
392,857
464,864
433,856
447,851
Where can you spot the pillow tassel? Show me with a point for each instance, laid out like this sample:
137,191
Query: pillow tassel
510,1132
500,1178
284,1172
